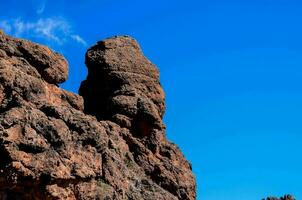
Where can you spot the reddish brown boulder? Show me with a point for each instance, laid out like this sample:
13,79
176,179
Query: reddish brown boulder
112,145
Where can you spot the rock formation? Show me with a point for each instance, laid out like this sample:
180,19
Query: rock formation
123,86
285,197
108,143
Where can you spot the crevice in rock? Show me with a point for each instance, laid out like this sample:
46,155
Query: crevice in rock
30,148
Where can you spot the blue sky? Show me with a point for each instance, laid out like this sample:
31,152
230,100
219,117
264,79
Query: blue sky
231,71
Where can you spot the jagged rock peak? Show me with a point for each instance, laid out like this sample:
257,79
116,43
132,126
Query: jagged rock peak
123,86
50,148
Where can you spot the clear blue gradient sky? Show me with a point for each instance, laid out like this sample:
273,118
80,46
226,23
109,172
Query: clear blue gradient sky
231,70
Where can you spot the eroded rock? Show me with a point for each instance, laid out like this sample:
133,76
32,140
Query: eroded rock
123,86
112,145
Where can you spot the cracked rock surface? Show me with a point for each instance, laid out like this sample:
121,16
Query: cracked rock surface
106,143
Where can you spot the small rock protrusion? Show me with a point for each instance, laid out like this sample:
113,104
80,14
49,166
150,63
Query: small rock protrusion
285,197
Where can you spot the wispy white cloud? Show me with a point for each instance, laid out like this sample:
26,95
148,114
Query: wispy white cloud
51,29
38,5
79,39
41,7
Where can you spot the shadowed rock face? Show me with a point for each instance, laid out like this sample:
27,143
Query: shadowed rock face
111,145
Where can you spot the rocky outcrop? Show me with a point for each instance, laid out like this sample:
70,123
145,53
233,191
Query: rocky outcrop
123,86
285,197
106,143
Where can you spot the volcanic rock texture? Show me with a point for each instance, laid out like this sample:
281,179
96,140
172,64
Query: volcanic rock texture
109,143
